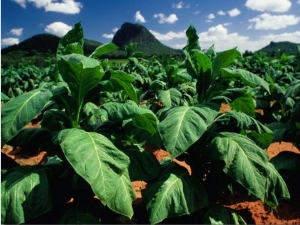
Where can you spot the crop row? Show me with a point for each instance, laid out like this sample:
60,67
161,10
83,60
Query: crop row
97,117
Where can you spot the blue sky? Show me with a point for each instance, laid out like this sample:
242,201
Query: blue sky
246,24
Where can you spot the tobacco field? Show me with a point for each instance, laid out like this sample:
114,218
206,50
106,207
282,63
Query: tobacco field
96,121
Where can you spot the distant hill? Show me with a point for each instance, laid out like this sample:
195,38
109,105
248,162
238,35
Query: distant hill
46,43
146,42
40,43
280,47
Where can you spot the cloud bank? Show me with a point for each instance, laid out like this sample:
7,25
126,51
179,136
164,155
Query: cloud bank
269,5
58,28
165,19
64,6
273,22
138,17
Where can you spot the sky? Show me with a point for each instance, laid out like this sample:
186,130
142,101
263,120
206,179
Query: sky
245,24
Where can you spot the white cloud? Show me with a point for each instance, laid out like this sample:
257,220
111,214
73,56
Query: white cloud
216,35
172,18
298,2
40,3
16,31
269,22
269,5
226,24
178,5
10,41
221,38
138,17
292,37
22,3
169,35
58,28
64,6
211,16
234,12
108,35
221,13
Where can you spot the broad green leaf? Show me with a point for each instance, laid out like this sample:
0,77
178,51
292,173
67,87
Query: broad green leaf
81,73
74,36
182,77
103,49
121,81
174,193
94,114
248,165
286,160
211,53
55,120
223,60
244,104
24,195
122,201
230,94
217,214
293,91
141,135
184,125
203,64
96,159
245,76
19,111
250,124
73,48
143,164
157,85
4,97
142,69
146,121
118,112
281,131
170,97
193,39
31,139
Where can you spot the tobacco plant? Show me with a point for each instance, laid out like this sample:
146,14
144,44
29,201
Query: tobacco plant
77,135
94,130
224,149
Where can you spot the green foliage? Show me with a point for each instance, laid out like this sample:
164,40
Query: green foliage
96,118
24,194
175,193
16,81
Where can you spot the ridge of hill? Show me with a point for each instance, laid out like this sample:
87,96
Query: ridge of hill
280,47
133,33
146,42
46,43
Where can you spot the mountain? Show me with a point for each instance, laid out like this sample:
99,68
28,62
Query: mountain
39,43
280,47
146,42
46,43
